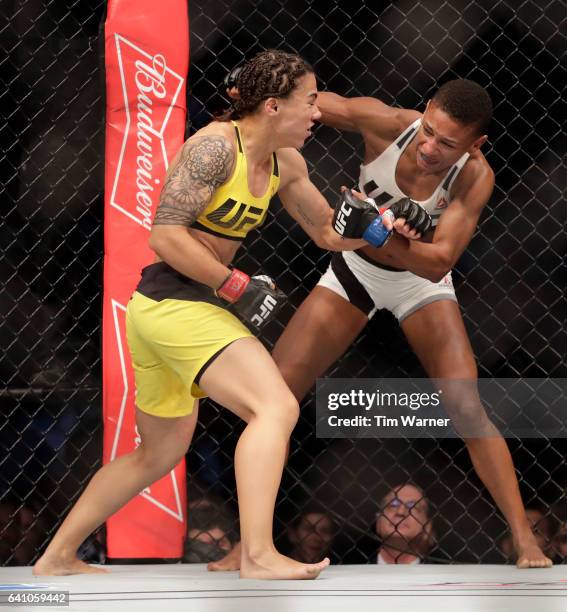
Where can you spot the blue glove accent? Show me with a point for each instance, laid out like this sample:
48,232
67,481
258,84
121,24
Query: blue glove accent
376,234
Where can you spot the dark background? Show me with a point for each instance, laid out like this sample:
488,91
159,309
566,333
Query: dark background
510,282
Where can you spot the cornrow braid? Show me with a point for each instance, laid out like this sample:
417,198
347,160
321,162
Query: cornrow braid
270,73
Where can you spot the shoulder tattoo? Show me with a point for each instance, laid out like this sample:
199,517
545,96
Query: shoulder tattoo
204,164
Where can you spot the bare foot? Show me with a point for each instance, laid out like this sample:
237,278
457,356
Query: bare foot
229,563
53,565
531,555
273,566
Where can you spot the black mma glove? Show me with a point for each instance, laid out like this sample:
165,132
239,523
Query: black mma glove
255,299
355,218
415,216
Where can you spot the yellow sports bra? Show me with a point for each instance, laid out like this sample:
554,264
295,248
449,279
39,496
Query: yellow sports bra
233,210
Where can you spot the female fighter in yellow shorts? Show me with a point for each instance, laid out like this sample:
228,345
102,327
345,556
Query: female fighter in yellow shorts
185,344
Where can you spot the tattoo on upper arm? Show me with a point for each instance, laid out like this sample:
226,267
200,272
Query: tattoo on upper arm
205,163
304,215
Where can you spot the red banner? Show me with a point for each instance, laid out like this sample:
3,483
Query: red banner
147,58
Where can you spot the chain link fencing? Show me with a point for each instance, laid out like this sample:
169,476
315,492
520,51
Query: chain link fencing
51,245
510,282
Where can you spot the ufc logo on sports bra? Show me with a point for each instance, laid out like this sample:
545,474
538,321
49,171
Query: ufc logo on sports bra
266,308
245,215
340,222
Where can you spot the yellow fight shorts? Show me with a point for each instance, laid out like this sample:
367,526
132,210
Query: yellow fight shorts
170,341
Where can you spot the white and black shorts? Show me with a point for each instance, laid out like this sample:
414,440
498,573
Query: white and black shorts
371,287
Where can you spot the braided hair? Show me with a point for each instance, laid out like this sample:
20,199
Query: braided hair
268,74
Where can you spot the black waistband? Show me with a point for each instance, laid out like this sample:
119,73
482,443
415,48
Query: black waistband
160,282
375,263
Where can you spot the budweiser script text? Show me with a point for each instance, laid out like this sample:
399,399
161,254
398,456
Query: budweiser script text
150,83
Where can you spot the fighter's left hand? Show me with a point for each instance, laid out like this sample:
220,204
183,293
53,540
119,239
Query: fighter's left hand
404,229
411,220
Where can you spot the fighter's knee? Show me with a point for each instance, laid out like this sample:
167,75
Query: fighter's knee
283,409
164,457
287,410
468,417
291,410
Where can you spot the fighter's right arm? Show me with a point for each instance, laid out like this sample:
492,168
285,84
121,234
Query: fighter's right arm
364,115
205,163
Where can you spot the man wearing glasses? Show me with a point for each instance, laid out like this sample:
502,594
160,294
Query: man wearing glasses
404,526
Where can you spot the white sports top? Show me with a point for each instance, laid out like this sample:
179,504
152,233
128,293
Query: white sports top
378,178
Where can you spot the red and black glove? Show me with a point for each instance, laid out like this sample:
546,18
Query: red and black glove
256,299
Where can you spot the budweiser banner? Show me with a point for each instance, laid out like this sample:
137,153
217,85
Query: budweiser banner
147,57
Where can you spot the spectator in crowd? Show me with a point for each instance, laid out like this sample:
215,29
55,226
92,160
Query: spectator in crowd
542,526
9,531
212,502
312,535
209,534
33,534
560,537
22,533
404,526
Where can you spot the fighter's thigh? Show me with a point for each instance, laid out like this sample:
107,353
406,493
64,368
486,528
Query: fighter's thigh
437,334
160,392
320,331
245,379
171,437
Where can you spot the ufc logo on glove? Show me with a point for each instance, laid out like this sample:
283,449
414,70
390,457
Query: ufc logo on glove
356,218
255,299
266,309
341,218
